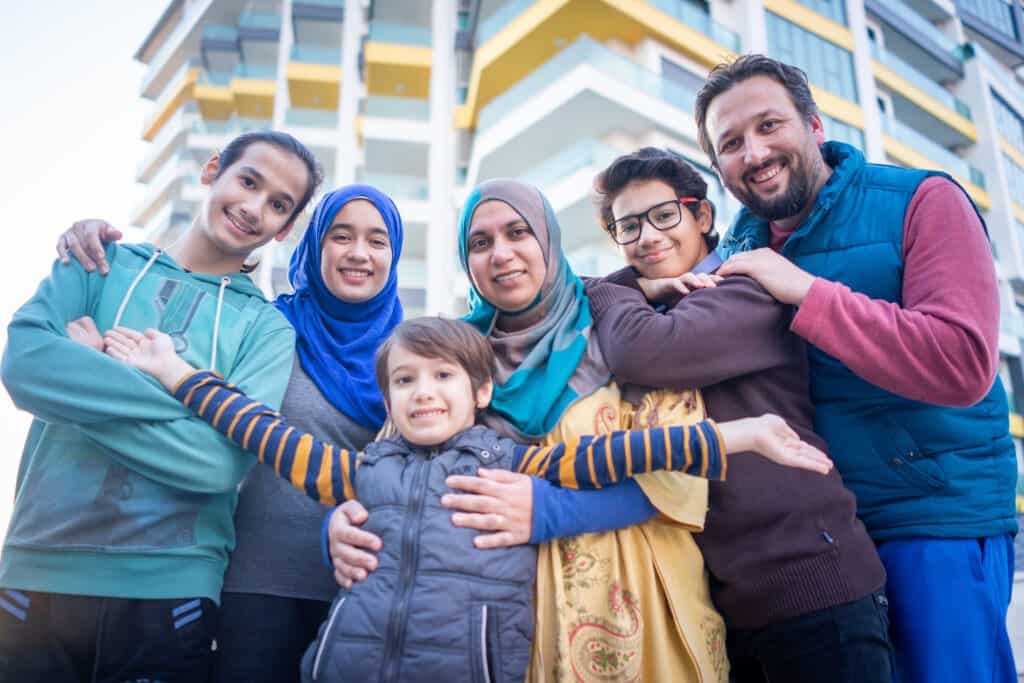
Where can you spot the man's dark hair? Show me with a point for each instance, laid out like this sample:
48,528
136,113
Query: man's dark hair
651,163
455,341
286,143
727,74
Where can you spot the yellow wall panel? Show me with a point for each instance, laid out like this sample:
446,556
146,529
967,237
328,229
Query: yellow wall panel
313,86
397,70
183,91
215,101
254,98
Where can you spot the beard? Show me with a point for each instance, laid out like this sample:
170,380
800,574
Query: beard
797,195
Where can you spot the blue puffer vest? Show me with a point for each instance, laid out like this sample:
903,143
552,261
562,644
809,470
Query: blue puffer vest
437,608
917,469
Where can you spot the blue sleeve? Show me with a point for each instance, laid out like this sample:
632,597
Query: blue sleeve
561,513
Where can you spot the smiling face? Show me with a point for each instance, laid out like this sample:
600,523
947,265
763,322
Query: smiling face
506,262
767,154
251,201
355,255
430,400
662,253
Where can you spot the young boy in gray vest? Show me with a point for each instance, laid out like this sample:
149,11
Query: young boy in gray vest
438,605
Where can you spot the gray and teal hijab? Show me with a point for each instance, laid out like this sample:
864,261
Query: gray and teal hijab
548,357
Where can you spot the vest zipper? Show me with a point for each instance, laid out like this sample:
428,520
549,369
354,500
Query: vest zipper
483,644
395,643
325,637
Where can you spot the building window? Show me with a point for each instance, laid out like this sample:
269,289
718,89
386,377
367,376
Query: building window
843,132
1015,180
827,65
1010,123
996,13
832,9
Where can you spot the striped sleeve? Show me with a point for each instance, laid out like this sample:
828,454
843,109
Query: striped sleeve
591,462
322,471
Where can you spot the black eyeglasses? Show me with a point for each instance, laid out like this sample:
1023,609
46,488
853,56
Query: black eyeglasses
662,216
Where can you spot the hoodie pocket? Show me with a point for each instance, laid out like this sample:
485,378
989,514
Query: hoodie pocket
325,636
484,644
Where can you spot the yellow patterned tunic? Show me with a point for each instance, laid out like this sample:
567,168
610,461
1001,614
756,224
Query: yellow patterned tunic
634,604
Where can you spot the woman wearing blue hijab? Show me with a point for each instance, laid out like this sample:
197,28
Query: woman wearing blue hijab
277,589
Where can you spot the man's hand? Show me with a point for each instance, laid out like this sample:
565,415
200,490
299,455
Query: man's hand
771,437
352,550
84,241
152,352
84,331
783,280
497,501
668,288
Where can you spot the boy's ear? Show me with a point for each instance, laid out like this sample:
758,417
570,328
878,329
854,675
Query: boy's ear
210,169
484,393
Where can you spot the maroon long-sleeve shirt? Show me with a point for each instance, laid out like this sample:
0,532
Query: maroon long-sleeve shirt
941,344
779,542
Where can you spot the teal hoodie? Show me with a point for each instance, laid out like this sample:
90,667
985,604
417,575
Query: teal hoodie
122,491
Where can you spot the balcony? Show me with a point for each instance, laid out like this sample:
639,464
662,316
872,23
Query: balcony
314,76
918,41
587,91
397,108
910,148
181,90
164,144
162,188
398,186
253,87
259,25
311,118
397,59
526,35
917,97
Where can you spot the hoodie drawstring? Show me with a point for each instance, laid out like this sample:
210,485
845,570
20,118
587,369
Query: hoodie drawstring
131,288
224,282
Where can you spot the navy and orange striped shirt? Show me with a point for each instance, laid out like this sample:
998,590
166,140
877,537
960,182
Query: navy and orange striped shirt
326,473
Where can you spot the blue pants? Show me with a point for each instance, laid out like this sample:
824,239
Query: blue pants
947,604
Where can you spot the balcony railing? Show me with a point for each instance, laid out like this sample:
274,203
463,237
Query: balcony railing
220,78
585,50
918,24
942,157
918,79
260,20
262,72
996,13
688,13
312,118
397,108
403,34
316,54
586,153
220,33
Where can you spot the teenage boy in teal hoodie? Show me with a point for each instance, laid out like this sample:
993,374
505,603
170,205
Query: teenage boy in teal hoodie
112,565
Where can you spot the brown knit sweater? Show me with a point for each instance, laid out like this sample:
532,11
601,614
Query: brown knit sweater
779,542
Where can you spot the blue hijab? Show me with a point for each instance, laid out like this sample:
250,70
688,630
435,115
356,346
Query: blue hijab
336,340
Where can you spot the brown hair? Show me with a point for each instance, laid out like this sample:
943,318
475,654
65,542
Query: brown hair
651,163
727,74
455,341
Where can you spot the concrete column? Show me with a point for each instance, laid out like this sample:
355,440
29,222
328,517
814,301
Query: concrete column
441,234
285,40
346,153
865,78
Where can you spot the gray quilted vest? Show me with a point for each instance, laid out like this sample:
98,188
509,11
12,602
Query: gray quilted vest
437,608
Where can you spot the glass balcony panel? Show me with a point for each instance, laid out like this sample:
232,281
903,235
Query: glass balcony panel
220,32
918,79
398,186
334,4
696,16
313,118
922,26
940,155
585,50
316,54
402,34
263,72
397,108
581,154
220,78
260,20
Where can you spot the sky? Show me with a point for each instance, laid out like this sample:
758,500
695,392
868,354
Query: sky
71,131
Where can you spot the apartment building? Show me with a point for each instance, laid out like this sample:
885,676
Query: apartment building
425,98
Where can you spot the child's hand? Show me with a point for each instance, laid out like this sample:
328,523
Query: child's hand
770,436
84,332
151,352
666,288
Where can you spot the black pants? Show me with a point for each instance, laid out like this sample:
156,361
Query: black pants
77,639
262,638
843,644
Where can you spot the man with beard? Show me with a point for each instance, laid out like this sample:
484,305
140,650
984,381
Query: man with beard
893,275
